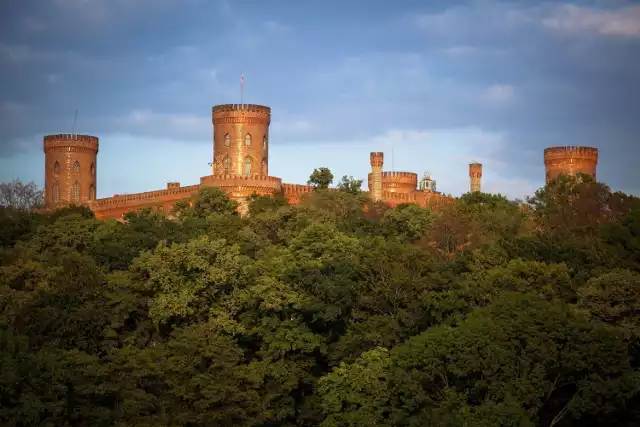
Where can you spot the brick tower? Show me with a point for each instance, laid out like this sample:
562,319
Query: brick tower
241,139
475,176
570,160
71,163
376,160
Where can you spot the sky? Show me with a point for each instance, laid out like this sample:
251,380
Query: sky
433,84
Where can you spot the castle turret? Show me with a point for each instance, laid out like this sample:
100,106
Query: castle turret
475,176
71,163
375,186
570,160
241,139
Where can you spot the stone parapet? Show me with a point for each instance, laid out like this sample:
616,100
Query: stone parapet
570,160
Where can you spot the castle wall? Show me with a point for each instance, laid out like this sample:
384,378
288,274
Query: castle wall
570,160
71,163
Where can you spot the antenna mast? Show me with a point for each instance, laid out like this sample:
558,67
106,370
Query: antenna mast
75,119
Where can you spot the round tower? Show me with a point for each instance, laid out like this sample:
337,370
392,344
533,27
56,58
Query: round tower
375,177
241,139
71,163
475,176
570,160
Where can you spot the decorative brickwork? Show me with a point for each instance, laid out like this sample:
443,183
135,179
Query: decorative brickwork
71,164
570,160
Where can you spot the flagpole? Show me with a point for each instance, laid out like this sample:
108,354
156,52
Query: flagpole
242,89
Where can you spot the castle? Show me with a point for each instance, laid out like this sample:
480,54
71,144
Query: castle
240,167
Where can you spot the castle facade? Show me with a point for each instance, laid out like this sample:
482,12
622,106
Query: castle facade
240,167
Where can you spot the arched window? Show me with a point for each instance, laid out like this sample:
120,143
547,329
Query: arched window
92,192
76,166
263,167
247,140
93,169
56,168
247,166
264,141
227,140
227,164
76,192
56,192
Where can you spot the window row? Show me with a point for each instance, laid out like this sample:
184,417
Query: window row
247,140
247,164
76,168
75,192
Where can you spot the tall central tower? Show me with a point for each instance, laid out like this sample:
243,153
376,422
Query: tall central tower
241,139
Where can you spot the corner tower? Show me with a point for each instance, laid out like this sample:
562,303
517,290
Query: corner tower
71,163
475,177
241,139
570,160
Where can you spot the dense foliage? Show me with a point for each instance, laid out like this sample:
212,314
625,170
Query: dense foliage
337,312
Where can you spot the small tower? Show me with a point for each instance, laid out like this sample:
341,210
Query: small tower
241,139
71,163
475,175
570,160
376,160
427,184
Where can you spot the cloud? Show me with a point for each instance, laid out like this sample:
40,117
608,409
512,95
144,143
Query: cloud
499,95
623,22
468,51
167,125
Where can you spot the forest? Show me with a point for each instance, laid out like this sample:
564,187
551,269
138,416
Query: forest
335,312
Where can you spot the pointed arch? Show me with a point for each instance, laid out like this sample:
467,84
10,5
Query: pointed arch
93,168
92,192
76,166
56,168
76,192
227,164
247,140
56,192
247,166
227,140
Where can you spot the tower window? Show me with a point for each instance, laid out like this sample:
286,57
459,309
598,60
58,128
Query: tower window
56,168
76,192
56,192
247,140
76,166
227,140
93,169
263,167
92,192
247,166
227,164
264,141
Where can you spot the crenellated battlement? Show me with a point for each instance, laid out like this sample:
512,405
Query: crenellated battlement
119,200
71,142
295,189
400,176
71,137
250,108
231,180
571,151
